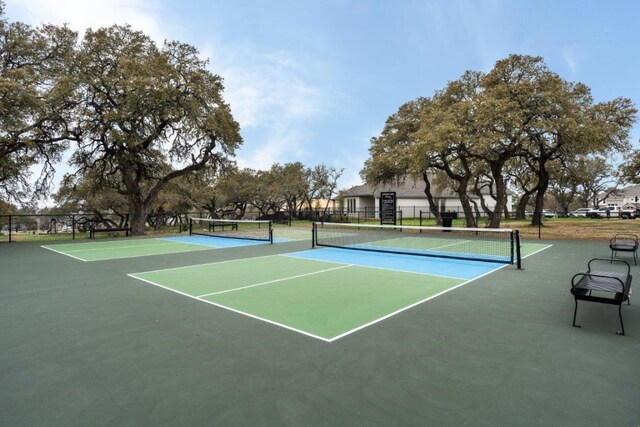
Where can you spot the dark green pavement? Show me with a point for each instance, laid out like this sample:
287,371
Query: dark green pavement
83,344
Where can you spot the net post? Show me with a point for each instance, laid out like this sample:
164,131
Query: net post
512,246
314,234
10,225
190,226
518,252
270,232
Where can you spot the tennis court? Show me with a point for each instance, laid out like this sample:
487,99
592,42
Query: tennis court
204,234
282,334
331,292
326,300
131,248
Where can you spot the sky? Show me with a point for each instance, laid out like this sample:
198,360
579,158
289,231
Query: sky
314,81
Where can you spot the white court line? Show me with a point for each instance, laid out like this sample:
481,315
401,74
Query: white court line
337,337
539,250
424,300
63,253
208,263
373,322
450,244
200,298
109,248
381,268
436,248
199,248
300,331
274,281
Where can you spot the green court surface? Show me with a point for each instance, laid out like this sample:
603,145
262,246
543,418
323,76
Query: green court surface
261,336
126,248
320,299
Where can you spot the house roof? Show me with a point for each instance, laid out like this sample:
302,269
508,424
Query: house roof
359,191
408,189
631,191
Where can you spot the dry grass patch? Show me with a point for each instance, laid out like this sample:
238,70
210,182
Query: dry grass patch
576,228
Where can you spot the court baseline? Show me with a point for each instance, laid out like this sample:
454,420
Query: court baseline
327,297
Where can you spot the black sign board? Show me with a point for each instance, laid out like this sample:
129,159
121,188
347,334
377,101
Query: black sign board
388,207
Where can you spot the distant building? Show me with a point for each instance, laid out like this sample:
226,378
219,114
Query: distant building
410,198
628,197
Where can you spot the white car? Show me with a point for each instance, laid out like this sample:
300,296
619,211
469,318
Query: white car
582,212
548,213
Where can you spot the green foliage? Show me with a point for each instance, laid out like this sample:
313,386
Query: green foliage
630,169
147,115
34,104
520,119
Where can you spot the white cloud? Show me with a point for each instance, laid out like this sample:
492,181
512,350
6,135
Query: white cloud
82,14
265,86
571,59
275,96
280,144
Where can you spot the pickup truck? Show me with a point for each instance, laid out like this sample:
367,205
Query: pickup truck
629,213
606,212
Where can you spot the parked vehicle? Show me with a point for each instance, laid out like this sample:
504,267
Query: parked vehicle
607,212
546,213
629,213
582,212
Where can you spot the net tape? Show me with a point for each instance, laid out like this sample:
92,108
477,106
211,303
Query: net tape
233,229
478,244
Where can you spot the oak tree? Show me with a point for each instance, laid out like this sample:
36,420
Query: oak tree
147,115
35,102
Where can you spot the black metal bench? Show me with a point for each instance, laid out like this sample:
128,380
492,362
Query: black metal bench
624,243
605,287
222,226
94,230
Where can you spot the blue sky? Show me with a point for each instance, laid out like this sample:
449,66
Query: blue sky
314,81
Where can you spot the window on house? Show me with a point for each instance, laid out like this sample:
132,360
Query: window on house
351,205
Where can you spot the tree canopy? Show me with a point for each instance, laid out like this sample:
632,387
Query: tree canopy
482,128
34,105
146,115
630,169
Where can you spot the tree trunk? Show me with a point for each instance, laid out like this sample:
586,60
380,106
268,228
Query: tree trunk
521,207
433,207
543,184
466,206
501,194
138,217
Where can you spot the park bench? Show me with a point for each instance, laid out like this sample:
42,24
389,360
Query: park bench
624,243
93,230
222,226
606,287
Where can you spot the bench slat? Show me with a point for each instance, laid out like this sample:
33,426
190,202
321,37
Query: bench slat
617,285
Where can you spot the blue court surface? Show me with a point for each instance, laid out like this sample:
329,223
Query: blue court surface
324,293
453,268
215,242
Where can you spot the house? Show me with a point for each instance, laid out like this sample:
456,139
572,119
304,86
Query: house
628,197
410,198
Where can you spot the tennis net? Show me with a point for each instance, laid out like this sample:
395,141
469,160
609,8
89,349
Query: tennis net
477,244
232,228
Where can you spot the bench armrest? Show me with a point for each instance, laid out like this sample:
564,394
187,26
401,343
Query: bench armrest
608,285
609,261
624,236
